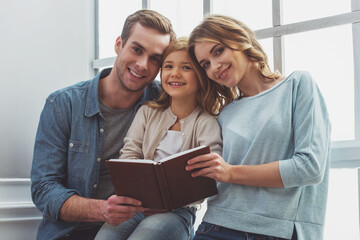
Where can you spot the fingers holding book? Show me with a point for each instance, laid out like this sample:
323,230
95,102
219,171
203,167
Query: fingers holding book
118,209
210,165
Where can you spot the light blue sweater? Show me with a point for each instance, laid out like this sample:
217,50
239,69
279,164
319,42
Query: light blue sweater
289,123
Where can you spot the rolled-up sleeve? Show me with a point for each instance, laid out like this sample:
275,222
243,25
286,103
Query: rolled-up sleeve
311,128
48,173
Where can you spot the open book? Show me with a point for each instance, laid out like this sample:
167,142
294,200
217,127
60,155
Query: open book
161,185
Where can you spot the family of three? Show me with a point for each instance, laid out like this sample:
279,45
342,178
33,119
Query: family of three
269,137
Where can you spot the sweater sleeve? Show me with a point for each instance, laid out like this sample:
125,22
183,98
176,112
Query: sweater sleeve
311,128
208,133
134,137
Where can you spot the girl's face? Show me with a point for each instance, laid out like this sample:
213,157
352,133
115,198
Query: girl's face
178,77
222,64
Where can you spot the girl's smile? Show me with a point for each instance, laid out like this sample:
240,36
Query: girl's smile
178,77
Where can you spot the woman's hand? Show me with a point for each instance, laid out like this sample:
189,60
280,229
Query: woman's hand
210,165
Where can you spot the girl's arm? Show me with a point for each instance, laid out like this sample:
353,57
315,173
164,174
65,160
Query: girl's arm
134,137
208,133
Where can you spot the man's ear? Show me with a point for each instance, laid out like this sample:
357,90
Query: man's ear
118,44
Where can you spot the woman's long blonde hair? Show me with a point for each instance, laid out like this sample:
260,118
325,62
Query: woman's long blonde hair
234,35
206,102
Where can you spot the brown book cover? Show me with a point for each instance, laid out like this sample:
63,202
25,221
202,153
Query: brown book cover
161,185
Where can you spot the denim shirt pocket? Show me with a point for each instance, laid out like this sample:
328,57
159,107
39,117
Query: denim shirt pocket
77,146
78,158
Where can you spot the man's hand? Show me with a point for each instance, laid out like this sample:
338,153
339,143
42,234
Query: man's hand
119,209
114,210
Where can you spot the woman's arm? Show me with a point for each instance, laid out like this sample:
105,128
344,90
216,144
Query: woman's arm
213,165
311,129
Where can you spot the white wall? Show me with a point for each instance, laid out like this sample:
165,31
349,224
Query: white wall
44,45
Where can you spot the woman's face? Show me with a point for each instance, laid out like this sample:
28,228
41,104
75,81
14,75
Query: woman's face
222,64
178,78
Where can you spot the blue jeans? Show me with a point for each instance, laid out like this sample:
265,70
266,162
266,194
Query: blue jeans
177,224
208,231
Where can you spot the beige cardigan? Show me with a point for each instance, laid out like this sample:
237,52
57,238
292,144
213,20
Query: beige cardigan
150,126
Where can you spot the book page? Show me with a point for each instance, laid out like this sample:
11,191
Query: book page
133,160
162,160
180,153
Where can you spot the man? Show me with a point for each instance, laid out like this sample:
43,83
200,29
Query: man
83,125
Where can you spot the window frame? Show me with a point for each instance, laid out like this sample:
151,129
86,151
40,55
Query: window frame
344,154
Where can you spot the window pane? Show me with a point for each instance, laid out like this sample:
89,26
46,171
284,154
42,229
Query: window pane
267,46
296,11
246,11
112,15
328,55
184,15
342,213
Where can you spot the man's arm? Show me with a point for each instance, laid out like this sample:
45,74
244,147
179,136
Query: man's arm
49,166
49,173
114,210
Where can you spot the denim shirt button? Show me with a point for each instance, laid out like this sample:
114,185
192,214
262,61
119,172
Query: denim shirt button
101,130
98,159
71,145
95,185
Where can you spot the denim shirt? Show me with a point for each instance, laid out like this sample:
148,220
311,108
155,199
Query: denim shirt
68,147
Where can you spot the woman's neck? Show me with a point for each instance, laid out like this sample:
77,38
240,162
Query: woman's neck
254,83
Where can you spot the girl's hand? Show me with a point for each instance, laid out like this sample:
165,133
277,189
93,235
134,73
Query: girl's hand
210,165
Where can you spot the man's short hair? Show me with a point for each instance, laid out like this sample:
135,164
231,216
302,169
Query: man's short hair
150,19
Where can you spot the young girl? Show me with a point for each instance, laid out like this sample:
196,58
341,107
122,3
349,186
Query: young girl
273,176
176,122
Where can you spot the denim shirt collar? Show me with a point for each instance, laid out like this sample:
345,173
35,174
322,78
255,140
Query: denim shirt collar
92,102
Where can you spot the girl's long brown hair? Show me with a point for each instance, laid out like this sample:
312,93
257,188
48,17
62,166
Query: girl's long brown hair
204,97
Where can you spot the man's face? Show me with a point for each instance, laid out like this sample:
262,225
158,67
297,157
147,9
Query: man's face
138,61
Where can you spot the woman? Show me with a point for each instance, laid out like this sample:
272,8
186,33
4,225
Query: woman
174,123
273,176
